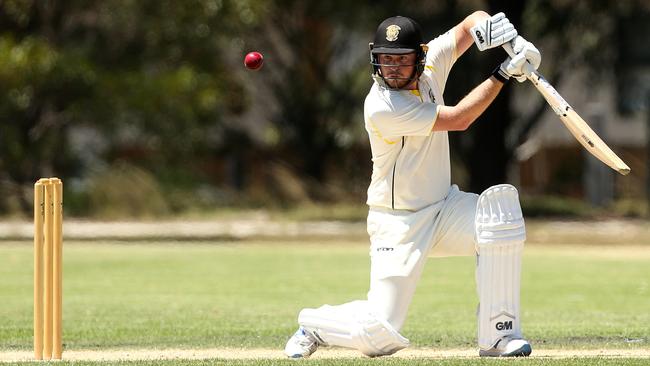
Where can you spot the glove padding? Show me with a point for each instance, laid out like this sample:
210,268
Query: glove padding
526,60
493,32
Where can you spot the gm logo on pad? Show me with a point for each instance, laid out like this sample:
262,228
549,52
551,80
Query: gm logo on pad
504,325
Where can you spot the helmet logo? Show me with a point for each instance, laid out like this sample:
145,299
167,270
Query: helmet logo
392,32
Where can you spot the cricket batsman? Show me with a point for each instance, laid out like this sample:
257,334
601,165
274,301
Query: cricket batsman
414,210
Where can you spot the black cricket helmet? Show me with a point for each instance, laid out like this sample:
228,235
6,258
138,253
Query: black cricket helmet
397,35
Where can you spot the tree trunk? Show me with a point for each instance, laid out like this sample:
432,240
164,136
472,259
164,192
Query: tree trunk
489,156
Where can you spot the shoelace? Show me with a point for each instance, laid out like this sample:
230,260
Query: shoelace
304,339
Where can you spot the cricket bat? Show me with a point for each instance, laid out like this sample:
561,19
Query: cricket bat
573,122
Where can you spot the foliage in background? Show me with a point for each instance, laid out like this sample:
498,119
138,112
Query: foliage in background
89,87
86,84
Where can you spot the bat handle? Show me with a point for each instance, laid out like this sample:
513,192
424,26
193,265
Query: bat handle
508,47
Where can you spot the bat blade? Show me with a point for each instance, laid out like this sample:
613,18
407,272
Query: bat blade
574,123
577,126
594,144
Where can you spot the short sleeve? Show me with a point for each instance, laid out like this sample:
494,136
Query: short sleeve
441,57
396,113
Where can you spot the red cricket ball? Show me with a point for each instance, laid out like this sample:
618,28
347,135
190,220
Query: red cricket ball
253,60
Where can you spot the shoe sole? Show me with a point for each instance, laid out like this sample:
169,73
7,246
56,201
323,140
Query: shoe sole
524,351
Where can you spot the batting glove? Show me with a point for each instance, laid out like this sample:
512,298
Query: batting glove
526,60
493,32
523,48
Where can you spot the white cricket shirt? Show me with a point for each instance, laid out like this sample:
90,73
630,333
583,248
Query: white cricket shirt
411,167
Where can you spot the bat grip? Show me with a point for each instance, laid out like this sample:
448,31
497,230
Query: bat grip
508,48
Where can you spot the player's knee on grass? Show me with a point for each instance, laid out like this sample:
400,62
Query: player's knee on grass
351,325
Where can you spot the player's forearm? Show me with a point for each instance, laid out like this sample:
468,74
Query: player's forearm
473,19
464,38
463,114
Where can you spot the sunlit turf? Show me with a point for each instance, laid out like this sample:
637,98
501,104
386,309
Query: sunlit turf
592,361
248,293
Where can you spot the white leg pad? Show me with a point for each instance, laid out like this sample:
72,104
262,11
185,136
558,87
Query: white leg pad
500,236
352,325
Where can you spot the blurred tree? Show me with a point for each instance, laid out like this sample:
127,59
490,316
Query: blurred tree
85,83
571,35
488,155
316,79
321,73
633,73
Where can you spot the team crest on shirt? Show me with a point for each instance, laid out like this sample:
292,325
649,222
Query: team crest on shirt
392,32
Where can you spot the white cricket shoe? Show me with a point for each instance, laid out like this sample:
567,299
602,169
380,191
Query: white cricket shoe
301,345
507,347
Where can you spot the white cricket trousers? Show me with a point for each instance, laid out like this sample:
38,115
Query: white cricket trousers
401,241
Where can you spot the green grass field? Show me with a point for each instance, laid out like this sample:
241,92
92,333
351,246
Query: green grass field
247,294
